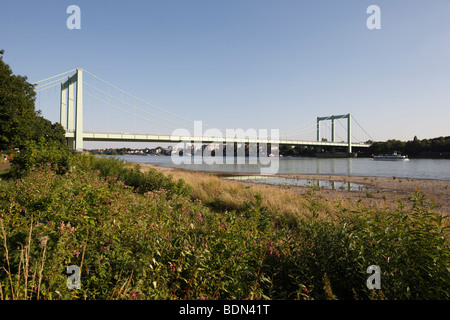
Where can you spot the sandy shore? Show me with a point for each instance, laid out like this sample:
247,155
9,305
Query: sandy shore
381,190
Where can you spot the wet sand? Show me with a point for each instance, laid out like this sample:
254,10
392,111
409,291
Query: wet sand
380,190
385,189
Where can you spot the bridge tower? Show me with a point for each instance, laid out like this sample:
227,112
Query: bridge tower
71,110
333,135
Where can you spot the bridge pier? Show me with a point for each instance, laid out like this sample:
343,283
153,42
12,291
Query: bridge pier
71,109
349,133
333,133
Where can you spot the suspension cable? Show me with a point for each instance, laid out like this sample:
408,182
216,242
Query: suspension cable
54,76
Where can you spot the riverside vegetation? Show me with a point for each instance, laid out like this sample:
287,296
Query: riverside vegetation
143,235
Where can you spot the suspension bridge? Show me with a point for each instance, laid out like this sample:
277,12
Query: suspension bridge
88,105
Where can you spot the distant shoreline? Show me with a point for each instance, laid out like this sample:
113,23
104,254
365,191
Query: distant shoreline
444,156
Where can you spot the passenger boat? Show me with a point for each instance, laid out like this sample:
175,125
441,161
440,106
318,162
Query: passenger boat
391,157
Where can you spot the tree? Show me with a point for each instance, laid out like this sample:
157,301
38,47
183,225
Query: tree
16,108
413,147
46,129
19,121
286,150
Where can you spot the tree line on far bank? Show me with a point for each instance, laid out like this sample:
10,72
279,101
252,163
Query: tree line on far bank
435,147
427,148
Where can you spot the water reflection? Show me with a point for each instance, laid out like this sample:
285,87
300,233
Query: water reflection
333,185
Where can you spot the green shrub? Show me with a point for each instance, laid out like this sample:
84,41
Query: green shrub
129,245
410,246
142,182
51,153
411,249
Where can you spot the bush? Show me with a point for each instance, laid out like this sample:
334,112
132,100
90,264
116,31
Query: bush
128,245
142,182
411,249
43,152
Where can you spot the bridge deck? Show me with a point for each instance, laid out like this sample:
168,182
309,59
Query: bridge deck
127,137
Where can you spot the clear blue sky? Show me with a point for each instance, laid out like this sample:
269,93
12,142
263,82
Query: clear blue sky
251,63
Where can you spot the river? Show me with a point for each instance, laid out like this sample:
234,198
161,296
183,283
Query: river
438,169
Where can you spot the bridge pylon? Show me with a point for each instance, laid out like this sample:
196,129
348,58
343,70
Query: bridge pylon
333,134
71,109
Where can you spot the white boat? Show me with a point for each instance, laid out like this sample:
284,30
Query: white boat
391,157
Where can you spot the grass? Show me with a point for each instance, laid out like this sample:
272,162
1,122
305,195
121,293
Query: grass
146,235
230,195
5,174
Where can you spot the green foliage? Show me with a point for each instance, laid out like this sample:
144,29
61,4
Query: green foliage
129,245
410,247
19,121
43,128
295,151
142,182
141,236
16,108
413,147
42,153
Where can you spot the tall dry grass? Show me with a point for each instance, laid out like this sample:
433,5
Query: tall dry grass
279,201
284,202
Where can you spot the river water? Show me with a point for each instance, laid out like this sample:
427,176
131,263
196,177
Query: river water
415,168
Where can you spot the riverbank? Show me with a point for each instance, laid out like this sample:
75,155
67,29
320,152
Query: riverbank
379,191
